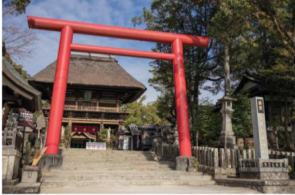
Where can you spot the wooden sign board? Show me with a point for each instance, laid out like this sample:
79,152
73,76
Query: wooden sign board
96,146
26,118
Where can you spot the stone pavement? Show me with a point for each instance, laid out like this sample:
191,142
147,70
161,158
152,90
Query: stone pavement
113,171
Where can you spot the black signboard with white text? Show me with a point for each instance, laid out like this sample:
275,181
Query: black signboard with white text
26,118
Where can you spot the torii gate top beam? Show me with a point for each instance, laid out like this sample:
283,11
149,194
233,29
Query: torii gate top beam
117,32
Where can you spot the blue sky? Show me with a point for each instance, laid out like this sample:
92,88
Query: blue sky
107,12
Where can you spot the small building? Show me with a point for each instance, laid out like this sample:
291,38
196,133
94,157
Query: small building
97,86
278,108
16,91
252,85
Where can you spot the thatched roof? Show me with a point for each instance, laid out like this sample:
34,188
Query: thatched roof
95,71
12,80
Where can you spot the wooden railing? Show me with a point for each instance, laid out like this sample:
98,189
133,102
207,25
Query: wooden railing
87,108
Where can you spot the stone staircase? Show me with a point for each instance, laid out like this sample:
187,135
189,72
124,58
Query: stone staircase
87,169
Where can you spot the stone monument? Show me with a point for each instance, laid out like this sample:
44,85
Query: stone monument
262,168
259,128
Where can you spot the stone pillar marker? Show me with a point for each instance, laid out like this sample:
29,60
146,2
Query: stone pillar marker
259,128
227,136
109,135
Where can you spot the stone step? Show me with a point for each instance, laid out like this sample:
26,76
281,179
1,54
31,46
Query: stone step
67,173
118,168
117,160
116,164
113,158
107,152
100,177
66,184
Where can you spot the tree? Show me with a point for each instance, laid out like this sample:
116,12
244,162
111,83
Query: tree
210,124
242,121
278,16
187,17
17,67
17,40
252,29
142,114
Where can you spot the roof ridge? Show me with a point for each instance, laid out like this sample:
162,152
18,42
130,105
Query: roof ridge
90,57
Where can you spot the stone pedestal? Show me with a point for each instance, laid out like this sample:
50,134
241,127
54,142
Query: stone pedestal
31,174
50,161
10,165
185,163
264,169
227,136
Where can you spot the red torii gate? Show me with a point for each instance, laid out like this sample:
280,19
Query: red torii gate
67,29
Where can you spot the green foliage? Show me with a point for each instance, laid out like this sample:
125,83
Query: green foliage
260,36
102,134
17,67
67,137
36,114
21,71
289,167
28,153
188,17
142,114
209,124
166,107
45,103
37,144
16,6
241,118
102,137
196,163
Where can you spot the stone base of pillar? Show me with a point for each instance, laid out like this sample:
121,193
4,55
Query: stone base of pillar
50,161
229,140
264,169
185,163
10,164
10,182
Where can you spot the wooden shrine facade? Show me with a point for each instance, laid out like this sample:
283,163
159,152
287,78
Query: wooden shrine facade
97,86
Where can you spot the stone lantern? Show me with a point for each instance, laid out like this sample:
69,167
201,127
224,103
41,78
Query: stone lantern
227,136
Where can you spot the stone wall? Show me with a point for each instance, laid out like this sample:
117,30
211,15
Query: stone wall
213,160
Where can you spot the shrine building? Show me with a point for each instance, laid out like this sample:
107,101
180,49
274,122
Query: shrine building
97,86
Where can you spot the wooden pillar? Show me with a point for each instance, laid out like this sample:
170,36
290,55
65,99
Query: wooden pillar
70,127
101,125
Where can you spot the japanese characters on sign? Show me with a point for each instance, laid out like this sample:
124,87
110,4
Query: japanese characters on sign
259,128
26,118
96,146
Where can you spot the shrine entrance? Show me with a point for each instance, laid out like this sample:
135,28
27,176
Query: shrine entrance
68,28
79,139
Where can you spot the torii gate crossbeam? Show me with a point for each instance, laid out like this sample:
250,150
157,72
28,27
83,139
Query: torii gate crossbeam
68,28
